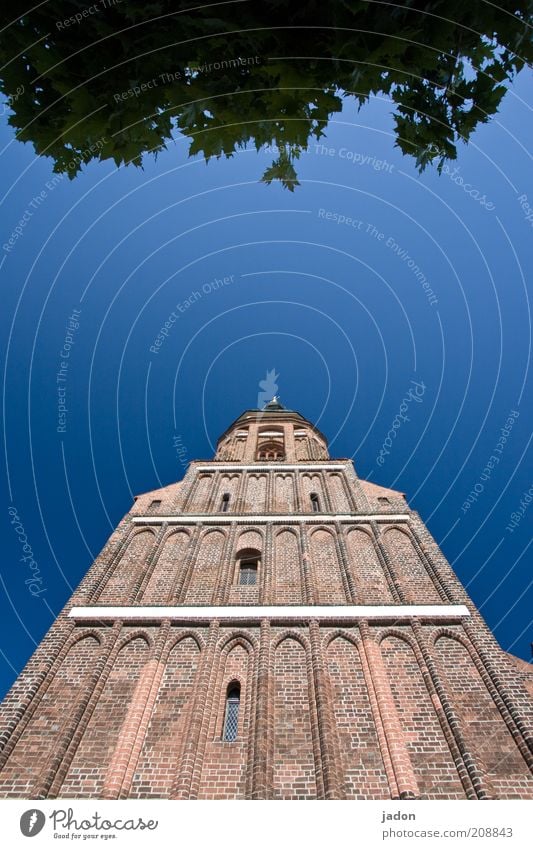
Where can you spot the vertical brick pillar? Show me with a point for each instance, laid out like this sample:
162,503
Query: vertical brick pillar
48,772
313,717
290,448
102,579
328,506
505,700
297,492
211,506
81,727
307,582
184,575
394,735
333,786
388,569
251,444
469,774
427,563
353,492
124,759
225,570
190,487
378,723
238,506
262,766
138,588
270,492
267,562
346,573
183,785
24,697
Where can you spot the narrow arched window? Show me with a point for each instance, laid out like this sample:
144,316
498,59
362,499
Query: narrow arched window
224,503
248,573
315,502
231,717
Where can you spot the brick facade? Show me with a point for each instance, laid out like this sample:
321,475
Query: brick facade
387,704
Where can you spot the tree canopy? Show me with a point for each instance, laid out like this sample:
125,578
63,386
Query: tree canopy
117,79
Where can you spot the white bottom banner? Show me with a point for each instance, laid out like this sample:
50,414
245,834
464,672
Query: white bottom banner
276,824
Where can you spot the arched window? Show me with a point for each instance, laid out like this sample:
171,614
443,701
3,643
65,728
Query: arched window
224,503
315,502
271,451
231,716
247,566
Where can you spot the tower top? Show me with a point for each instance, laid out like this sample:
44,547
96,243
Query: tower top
272,432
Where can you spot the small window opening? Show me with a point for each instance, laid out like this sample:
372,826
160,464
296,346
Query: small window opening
315,502
231,718
248,573
154,505
384,500
224,504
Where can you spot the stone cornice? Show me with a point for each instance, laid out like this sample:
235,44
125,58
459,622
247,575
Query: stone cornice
275,518
333,613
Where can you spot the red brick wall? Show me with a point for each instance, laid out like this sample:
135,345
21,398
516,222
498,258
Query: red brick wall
294,766
361,763
223,774
414,579
37,743
326,569
504,771
156,769
366,570
87,772
287,571
160,586
432,761
128,569
325,711
204,575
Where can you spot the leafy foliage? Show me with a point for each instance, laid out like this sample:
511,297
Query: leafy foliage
116,79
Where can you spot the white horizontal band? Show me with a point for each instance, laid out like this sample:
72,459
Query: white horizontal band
345,611
286,518
280,467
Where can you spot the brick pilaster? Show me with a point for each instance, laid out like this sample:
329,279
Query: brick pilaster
150,564
123,762
58,757
469,774
309,596
333,788
346,572
191,754
262,766
394,736
225,572
81,727
24,697
265,592
184,575
386,564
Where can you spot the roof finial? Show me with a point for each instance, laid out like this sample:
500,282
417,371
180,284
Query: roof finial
274,404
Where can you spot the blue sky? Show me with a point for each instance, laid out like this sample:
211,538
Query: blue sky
366,279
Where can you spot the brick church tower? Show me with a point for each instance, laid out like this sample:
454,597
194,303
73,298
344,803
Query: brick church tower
271,627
